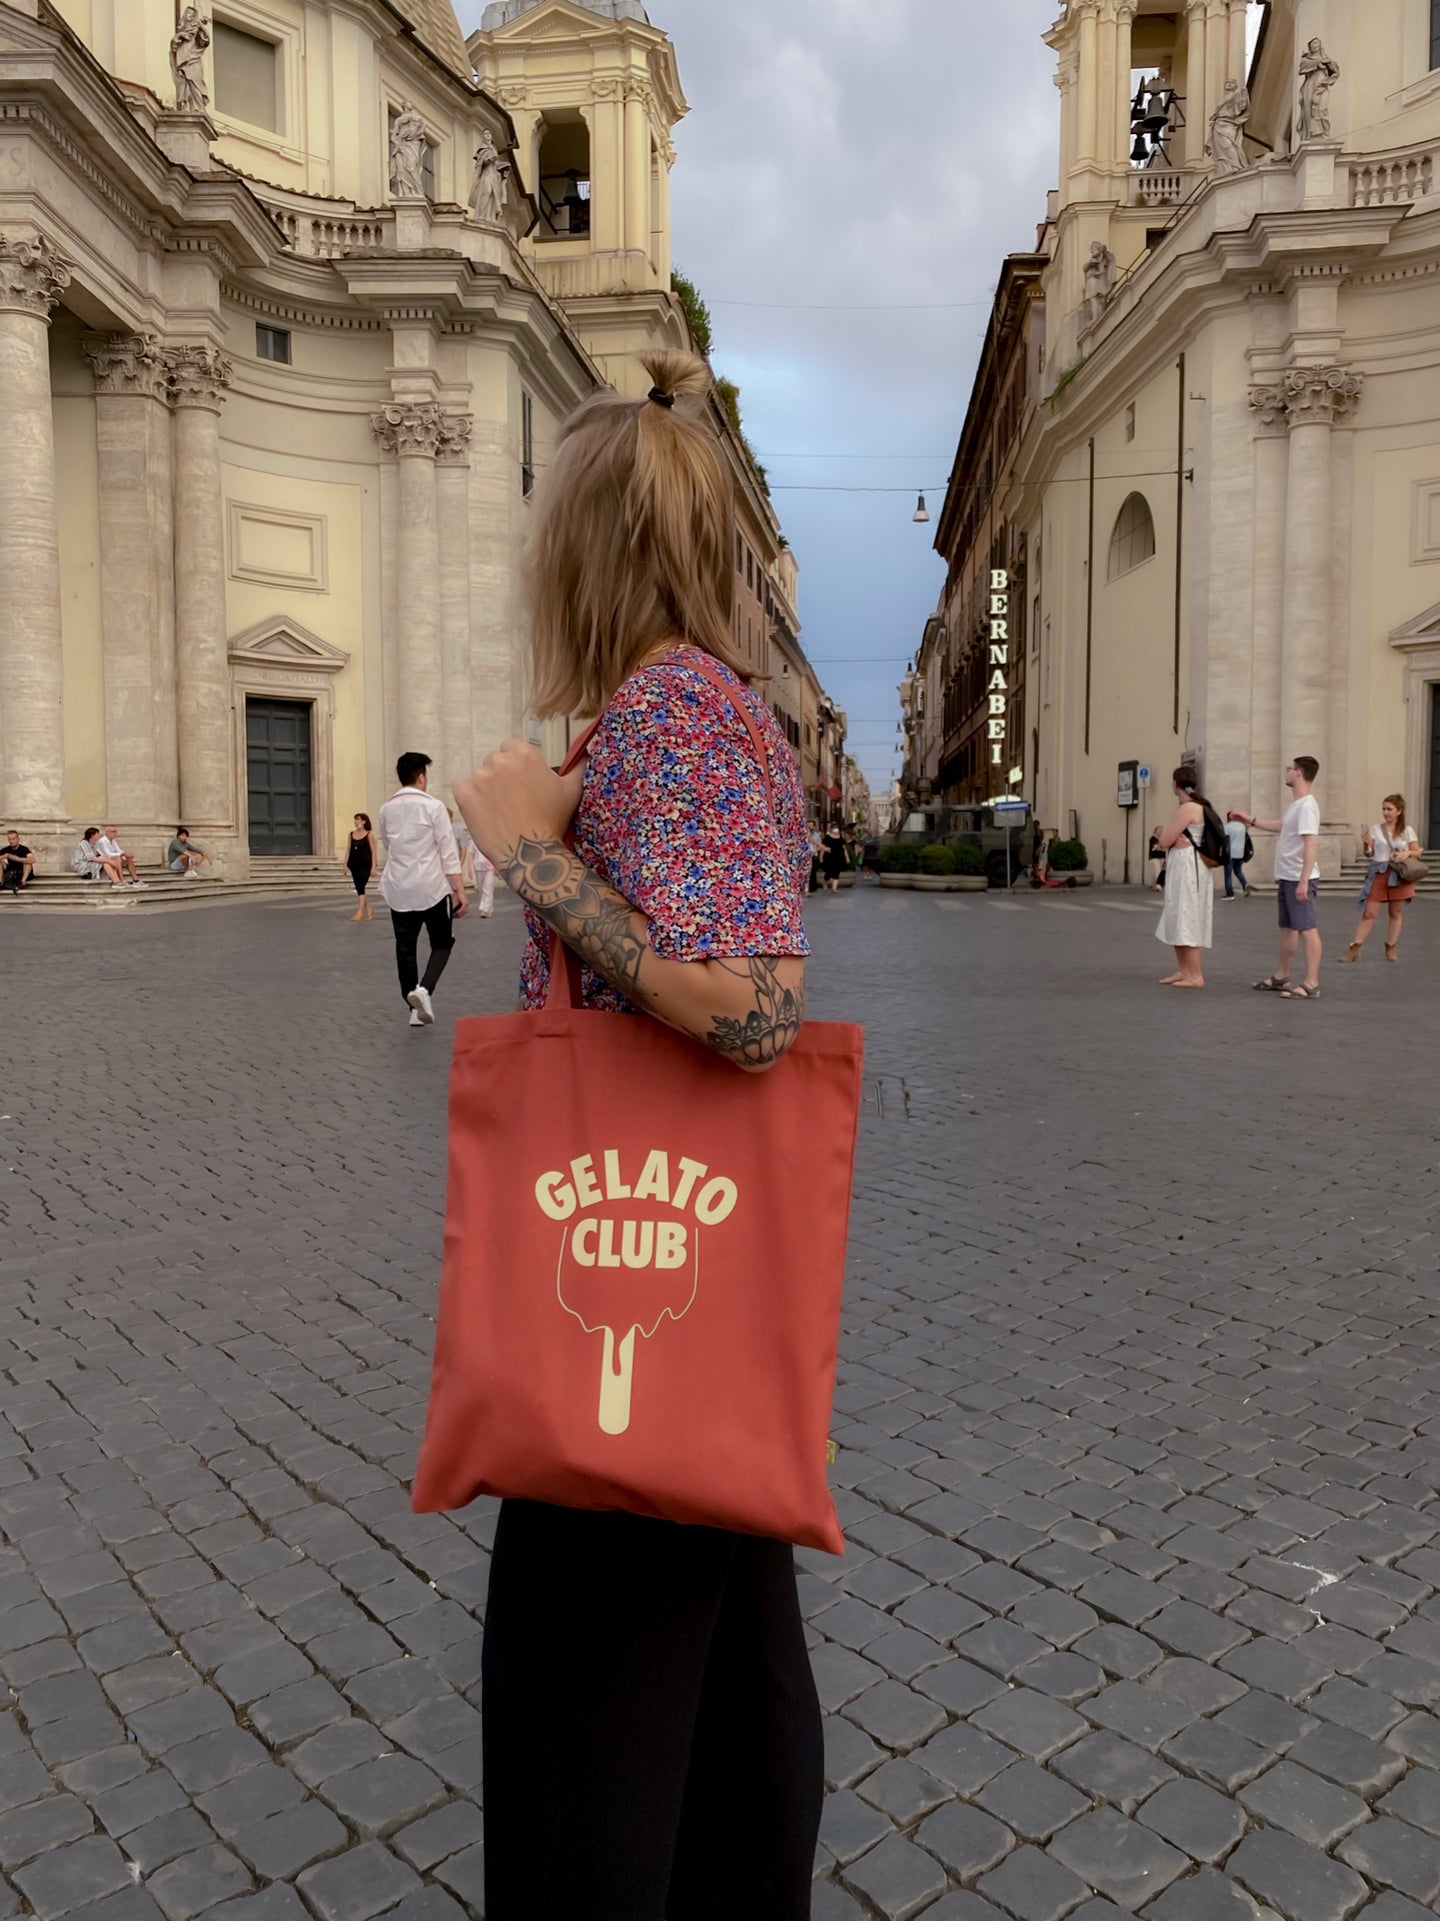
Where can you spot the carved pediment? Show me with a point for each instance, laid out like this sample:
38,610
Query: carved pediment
282,642
1422,631
553,20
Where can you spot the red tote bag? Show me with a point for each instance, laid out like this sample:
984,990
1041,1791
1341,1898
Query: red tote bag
644,1261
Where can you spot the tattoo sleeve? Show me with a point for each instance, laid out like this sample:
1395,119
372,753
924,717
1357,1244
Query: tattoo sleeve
608,934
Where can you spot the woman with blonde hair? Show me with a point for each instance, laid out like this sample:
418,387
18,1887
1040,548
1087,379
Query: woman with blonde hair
1388,841
652,1743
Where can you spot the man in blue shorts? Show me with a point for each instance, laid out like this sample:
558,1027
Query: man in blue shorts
1297,875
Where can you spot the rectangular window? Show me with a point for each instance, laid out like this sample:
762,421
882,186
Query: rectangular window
1435,33
527,445
247,77
1130,421
272,343
739,555
427,170
749,568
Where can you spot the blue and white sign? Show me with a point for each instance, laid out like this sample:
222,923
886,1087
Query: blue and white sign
1142,775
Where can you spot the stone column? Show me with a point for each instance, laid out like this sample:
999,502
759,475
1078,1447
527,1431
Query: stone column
1105,85
1089,80
607,164
1197,109
452,487
412,431
1315,398
198,378
1124,34
32,731
1267,622
137,574
637,167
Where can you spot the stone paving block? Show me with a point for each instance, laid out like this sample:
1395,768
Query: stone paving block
940,1613
1348,1759
1418,1736
1031,1801
383,1794
433,1904
963,1905
964,1840
1395,1907
1139,1714
1194,1818
1000,1646
214,1758
897,1878
1396,1855
1266,1720
1120,1651
1032,1886
963,1758
1031,1723
1416,1800
438,1835
905,1653
1366,1710
959,1685
1218,1755
290,1713
198,1881
271,1904
165,1839
841,1675
65,1878
1206,1896
850,1754
895,1716
1112,1769
1118,1856
1297,1881
903,1792
22,1780
848,1825
353,1886
279,1846
248,1798
51,1823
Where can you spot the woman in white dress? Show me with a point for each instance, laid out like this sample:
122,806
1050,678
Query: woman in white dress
1188,916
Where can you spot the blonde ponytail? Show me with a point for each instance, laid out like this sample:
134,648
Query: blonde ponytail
634,539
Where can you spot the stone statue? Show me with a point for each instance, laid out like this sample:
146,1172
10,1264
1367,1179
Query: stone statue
487,195
187,62
407,155
1318,74
1099,279
1227,130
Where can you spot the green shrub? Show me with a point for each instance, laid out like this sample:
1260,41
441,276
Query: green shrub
898,857
1067,856
968,860
697,314
937,860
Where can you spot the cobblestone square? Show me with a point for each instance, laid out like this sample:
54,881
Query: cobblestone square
1138,1424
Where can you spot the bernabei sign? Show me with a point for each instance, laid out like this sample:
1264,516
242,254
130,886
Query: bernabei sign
998,687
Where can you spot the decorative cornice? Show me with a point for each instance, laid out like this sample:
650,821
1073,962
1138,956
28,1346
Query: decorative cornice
33,275
128,364
198,377
453,449
411,428
1321,395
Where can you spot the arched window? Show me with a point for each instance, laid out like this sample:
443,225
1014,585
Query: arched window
1133,538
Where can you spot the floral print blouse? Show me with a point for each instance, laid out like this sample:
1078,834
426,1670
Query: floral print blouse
675,816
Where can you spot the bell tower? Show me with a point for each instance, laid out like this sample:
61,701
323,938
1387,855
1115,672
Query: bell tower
594,93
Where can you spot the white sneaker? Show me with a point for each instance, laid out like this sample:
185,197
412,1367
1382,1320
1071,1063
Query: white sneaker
415,1020
419,999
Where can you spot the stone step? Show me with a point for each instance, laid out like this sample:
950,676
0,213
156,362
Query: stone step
164,889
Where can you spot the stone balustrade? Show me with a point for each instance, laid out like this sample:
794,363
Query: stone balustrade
1391,179
1161,186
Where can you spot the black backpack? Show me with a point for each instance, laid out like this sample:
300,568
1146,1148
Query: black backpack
1214,842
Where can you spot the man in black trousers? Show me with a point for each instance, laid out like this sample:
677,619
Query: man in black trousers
421,883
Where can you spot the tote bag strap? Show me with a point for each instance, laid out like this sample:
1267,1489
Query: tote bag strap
565,989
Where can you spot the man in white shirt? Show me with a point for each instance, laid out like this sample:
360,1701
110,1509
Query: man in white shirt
421,882
109,845
1297,875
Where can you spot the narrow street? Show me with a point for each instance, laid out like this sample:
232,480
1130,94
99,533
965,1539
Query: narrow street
1138,1424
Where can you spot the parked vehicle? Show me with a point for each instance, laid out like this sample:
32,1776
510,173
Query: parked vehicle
968,826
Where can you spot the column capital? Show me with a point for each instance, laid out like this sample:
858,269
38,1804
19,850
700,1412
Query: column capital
1126,10
411,427
33,274
512,94
1268,405
128,364
453,446
607,86
197,376
1321,395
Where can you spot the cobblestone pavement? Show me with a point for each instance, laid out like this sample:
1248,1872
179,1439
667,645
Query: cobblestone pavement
1139,1425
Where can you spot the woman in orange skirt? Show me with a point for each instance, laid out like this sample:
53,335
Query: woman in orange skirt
1387,841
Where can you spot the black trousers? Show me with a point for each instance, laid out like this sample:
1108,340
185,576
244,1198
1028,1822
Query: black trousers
436,921
652,1739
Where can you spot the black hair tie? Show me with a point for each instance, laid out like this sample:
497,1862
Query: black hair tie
662,399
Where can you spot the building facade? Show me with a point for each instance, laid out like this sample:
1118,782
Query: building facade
293,299
1229,494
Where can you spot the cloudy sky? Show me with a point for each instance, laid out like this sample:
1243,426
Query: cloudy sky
842,155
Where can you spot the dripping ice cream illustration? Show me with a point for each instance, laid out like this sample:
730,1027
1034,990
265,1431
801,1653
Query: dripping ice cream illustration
629,1256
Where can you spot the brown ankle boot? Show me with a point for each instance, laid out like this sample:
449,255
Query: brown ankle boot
1352,952
1390,953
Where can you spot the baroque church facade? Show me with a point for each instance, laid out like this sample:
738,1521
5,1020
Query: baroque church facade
293,296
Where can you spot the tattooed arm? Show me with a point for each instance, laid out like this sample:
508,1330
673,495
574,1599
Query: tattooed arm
748,1010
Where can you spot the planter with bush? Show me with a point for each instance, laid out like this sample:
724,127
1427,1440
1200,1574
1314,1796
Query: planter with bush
1068,857
897,864
945,870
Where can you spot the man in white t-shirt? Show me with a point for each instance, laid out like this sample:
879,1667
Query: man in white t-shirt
109,845
1297,875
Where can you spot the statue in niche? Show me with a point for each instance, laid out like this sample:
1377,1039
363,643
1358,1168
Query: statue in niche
1227,130
407,155
1099,280
487,195
187,62
1318,74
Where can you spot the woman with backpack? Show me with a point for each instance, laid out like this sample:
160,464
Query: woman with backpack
1192,845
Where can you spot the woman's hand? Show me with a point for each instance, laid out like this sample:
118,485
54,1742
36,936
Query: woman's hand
515,796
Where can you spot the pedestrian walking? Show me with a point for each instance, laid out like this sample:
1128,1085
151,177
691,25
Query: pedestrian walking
832,859
1390,844
654,1747
1187,919
817,857
361,862
421,883
1239,848
1297,875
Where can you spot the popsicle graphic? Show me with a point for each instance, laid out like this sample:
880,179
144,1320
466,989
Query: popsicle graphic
621,1279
